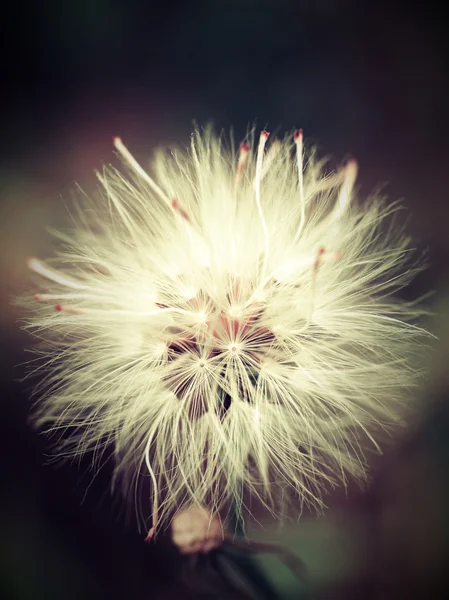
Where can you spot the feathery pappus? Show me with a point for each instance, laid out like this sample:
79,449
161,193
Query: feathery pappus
227,325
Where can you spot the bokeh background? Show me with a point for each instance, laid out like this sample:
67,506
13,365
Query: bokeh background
363,78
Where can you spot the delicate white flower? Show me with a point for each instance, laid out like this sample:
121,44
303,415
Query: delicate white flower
229,329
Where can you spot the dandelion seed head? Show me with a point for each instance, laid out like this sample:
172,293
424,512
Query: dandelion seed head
227,323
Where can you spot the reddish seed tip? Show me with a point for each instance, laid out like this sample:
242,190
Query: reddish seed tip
116,140
321,251
297,135
150,535
176,206
264,134
36,296
244,147
58,307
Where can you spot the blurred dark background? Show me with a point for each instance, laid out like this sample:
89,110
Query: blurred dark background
364,79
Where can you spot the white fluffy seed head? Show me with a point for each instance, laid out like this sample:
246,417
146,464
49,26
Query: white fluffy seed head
228,327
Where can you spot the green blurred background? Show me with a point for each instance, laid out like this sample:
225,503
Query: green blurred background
362,78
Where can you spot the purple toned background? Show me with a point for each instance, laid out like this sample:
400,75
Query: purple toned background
363,79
